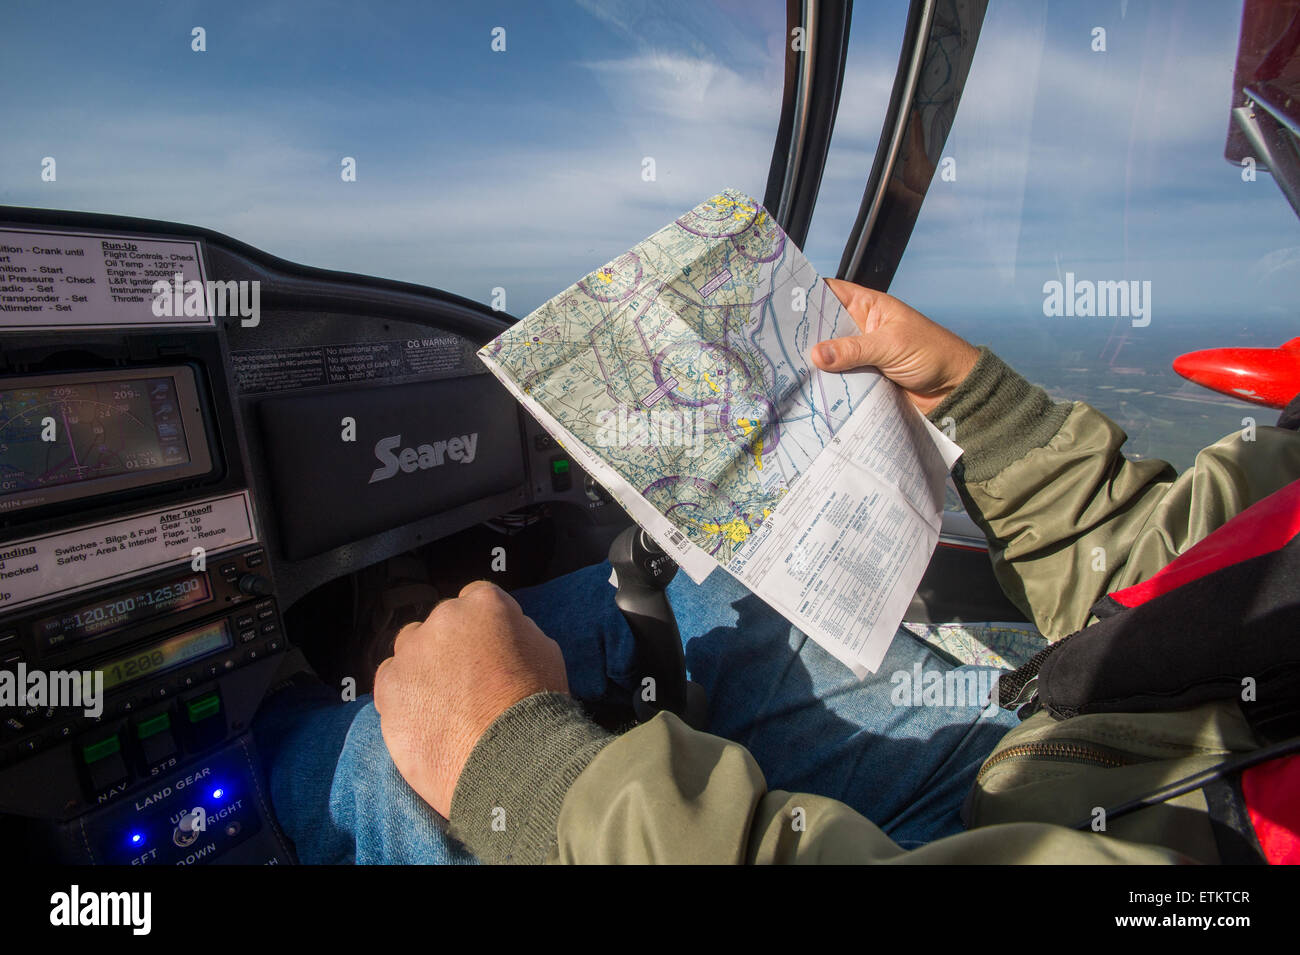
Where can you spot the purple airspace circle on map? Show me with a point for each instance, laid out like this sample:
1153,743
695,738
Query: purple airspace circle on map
763,234
616,282
718,361
720,217
679,489
672,480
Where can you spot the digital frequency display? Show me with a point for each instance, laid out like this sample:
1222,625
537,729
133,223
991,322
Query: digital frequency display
122,610
60,434
171,653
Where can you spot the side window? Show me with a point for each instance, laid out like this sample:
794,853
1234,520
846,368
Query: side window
1088,163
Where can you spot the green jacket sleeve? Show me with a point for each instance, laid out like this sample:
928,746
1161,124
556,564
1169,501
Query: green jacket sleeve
1068,518
665,793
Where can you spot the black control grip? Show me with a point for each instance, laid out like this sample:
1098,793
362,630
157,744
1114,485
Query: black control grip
643,572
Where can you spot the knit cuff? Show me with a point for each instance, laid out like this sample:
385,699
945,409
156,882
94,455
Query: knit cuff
508,798
998,417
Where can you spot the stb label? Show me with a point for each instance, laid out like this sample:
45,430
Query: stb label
87,280
64,563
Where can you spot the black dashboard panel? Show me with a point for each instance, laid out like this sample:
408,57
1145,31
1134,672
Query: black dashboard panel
380,457
317,331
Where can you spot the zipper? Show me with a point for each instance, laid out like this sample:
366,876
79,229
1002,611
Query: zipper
1067,751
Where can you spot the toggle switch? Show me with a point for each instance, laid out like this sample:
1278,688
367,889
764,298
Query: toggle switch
156,740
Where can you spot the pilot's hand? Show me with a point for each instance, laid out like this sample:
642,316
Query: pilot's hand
451,676
920,356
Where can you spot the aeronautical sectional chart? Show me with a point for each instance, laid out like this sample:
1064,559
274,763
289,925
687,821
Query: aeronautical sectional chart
677,376
684,362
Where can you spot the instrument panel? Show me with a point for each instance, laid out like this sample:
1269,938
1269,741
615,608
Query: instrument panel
176,471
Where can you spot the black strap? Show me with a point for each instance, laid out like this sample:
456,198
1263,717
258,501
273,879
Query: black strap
1229,635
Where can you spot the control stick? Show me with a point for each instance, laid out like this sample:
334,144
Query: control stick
642,572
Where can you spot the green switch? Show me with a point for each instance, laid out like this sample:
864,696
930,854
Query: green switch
104,748
203,708
153,726
561,479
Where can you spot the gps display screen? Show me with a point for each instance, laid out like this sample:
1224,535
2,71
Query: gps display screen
103,431
63,433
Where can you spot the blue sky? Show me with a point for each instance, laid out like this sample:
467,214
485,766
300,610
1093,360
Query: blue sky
523,169
475,169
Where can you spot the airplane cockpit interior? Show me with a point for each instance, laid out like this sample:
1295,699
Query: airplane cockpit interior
249,258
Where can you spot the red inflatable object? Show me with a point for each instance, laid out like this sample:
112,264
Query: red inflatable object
1263,376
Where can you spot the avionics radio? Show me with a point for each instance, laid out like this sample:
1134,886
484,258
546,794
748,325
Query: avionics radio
162,642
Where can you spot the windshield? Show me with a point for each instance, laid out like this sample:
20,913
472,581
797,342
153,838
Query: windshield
495,146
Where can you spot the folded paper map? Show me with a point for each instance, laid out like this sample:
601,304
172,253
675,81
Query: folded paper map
678,377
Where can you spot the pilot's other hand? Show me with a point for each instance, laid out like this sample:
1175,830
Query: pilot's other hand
451,676
920,356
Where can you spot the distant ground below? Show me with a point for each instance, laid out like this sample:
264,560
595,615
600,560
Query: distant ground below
1126,372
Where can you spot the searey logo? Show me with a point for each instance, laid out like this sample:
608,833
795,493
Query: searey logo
461,449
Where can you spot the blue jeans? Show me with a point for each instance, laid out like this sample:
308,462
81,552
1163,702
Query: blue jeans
811,725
